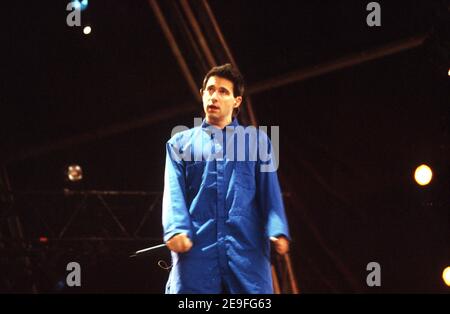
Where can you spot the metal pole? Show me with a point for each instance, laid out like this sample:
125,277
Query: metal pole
196,27
290,270
229,55
102,133
337,64
276,285
175,49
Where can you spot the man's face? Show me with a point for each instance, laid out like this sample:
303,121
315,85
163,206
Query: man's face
219,101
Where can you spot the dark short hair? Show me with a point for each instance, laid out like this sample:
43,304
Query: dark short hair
228,72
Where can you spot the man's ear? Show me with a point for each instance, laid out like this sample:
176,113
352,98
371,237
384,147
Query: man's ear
238,101
201,92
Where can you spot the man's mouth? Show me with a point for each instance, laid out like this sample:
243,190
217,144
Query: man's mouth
213,107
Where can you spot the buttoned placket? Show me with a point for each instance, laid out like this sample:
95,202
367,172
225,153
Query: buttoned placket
221,214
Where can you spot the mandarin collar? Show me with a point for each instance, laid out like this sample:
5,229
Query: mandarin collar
234,123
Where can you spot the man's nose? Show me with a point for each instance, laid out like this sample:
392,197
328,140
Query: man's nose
214,97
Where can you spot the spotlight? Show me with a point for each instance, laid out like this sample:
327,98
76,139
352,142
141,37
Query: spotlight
80,5
423,175
87,30
446,275
74,173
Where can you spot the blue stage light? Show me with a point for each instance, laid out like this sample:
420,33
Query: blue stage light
80,5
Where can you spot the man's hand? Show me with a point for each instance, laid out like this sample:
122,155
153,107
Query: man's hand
281,244
179,243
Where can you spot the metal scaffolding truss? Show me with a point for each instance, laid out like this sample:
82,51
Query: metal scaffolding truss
40,231
71,215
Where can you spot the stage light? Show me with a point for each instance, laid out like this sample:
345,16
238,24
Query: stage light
446,275
87,30
80,5
423,175
74,173
448,72
43,239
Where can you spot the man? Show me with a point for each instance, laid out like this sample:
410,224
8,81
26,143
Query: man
220,212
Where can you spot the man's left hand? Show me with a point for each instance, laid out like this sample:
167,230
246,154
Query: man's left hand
281,244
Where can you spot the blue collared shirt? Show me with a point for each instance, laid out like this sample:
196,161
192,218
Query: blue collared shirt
216,192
